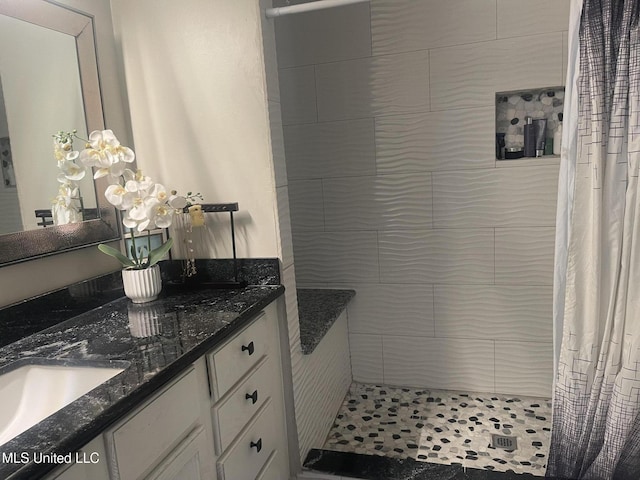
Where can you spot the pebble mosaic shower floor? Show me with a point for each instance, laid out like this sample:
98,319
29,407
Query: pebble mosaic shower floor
444,427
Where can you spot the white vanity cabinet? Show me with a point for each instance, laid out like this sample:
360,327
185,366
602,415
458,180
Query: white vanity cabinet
168,437
248,404
221,419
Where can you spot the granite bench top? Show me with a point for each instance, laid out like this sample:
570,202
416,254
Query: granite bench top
318,309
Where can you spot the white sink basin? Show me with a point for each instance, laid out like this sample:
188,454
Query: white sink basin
30,393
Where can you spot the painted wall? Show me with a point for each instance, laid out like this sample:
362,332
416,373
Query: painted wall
388,112
35,277
199,110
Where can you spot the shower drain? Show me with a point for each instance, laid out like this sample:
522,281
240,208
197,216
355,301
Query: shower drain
505,442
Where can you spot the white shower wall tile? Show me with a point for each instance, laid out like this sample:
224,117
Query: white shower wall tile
470,75
378,202
517,18
503,312
525,255
322,36
298,95
387,309
331,149
445,140
524,368
499,197
366,357
407,25
336,257
277,144
270,54
437,256
291,305
442,363
306,203
383,85
284,223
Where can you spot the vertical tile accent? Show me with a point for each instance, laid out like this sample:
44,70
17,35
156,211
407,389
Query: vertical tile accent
306,203
496,197
330,149
525,255
524,368
517,18
469,75
387,309
324,36
437,256
277,144
373,86
380,202
366,357
494,312
444,140
444,363
336,257
298,95
407,25
270,54
284,222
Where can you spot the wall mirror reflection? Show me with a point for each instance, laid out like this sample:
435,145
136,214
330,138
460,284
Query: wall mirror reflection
48,82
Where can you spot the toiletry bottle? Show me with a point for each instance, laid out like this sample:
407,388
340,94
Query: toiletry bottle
557,137
529,138
541,135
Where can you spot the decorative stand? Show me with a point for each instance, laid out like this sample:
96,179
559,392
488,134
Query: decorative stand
200,281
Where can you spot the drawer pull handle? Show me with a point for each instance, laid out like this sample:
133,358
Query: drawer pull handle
257,445
253,397
249,348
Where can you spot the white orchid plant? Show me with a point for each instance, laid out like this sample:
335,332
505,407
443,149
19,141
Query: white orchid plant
143,204
67,205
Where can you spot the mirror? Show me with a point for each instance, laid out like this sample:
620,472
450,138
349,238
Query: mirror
49,82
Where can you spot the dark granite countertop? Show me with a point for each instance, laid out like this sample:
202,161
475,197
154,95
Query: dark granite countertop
318,309
378,467
186,325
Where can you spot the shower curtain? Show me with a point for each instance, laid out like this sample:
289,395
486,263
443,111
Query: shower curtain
596,412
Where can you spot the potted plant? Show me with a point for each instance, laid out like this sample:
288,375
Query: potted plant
143,205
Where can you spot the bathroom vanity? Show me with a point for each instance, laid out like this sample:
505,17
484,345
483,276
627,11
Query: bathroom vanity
202,396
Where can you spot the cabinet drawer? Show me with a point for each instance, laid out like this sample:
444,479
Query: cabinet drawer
240,404
271,469
234,359
138,443
249,453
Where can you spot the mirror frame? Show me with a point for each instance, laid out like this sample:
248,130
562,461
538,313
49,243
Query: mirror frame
28,245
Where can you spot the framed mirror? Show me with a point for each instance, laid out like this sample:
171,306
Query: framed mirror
49,78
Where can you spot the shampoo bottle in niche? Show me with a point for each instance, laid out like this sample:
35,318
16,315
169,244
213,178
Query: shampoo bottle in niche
529,138
557,137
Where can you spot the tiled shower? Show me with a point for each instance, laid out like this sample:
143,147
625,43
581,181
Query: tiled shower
394,190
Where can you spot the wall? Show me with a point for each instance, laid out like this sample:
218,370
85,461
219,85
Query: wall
388,112
35,277
199,110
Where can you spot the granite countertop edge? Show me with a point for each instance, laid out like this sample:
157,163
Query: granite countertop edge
100,408
318,309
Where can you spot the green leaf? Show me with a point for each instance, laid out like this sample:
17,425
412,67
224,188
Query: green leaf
157,254
125,261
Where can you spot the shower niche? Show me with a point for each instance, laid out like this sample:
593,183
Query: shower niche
513,108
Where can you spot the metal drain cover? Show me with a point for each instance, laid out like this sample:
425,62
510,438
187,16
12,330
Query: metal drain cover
505,442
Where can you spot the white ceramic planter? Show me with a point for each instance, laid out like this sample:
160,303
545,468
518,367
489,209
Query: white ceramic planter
142,286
